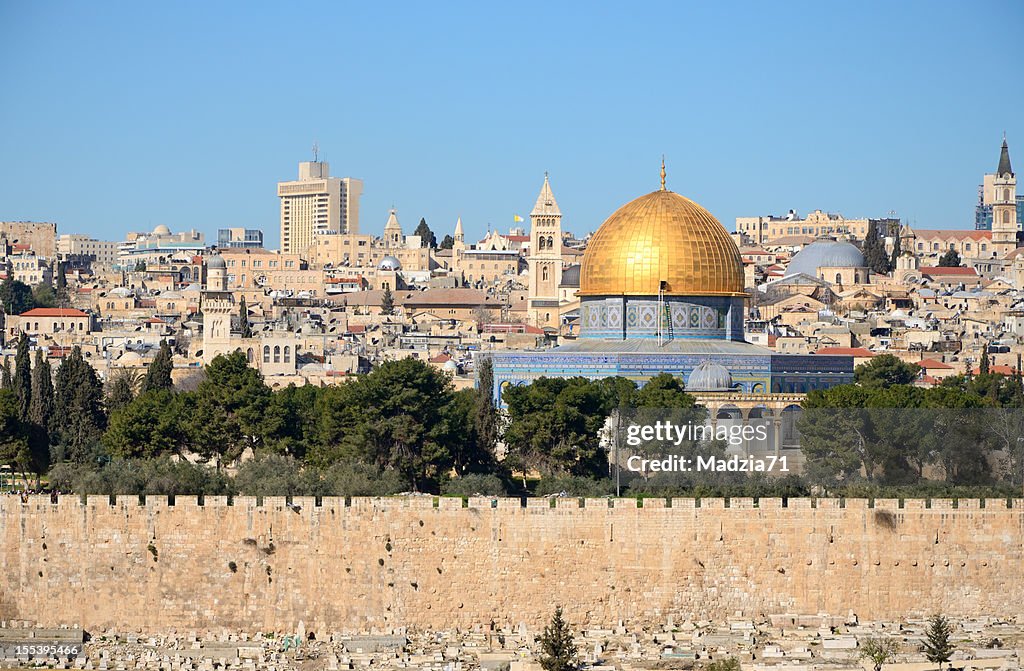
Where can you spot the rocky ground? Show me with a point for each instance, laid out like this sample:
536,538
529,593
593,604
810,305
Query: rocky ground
779,643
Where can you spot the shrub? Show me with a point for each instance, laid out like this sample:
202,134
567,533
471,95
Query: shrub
475,483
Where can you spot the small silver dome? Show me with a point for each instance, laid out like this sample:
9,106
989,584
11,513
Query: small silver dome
825,254
216,261
709,376
389,263
450,366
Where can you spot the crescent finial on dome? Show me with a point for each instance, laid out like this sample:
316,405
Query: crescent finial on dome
662,172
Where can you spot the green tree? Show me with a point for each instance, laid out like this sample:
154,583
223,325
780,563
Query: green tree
985,366
486,414
427,238
447,242
950,259
14,439
558,649
158,376
78,418
879,651
874,251
229,407
244,326
23,376
148,426
16,296
387,302
885,370
897,247
727,664
61,284
43,296
121,389
937,646
554,424
6,379
41,407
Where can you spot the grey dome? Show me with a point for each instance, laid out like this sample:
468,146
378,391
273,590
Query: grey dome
709,376
216,261
389,263
825,254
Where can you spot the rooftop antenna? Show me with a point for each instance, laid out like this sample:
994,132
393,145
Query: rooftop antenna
316,151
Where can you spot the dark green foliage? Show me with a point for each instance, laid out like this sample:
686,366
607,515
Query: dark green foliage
387,303
227,409
78,417
553,426
573,485
884,371
148,426
274,475
447,242
121,389
143,476
158,376
43,296
985,366
897,249
244,327
427,238
6,379
950,259
875,256
475,483
727,664
937,646
486,415
23,376
41,406
16,296
558,650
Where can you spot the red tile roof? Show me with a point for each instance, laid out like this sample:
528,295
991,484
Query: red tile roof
952,234
53,312
1000,370
943,271
846,351
932,364
440,358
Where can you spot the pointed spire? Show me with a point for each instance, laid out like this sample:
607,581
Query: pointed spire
392,221
458,229
1004,160
546,204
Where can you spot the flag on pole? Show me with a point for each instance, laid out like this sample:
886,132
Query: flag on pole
516,218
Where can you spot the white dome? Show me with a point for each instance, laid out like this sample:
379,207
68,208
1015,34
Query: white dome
161,230
450,366
709,376
825,254
389,263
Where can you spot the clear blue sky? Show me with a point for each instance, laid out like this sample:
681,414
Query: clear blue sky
118,116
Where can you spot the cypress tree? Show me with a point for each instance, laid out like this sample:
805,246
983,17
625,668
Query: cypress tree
121,390
78,418
23,376
387,303
244,327
937,647
41,407
983,367
6,381
559,650
486,414
159,374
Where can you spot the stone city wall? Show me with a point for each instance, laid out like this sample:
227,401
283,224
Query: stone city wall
429,563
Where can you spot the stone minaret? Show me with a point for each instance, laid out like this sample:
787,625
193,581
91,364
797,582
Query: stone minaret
218,307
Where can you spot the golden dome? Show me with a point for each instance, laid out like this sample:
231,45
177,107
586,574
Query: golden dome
661,237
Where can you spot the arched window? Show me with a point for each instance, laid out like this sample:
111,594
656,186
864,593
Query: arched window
551,243
540,243
266,354
249,355
1006,217
277,354
839,278
1006,194
544,274
856,278
37,326
287,354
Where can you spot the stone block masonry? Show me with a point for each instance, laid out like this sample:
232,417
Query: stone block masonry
426,563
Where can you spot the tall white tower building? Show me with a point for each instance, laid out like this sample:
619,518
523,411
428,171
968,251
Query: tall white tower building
317,204
1003,192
